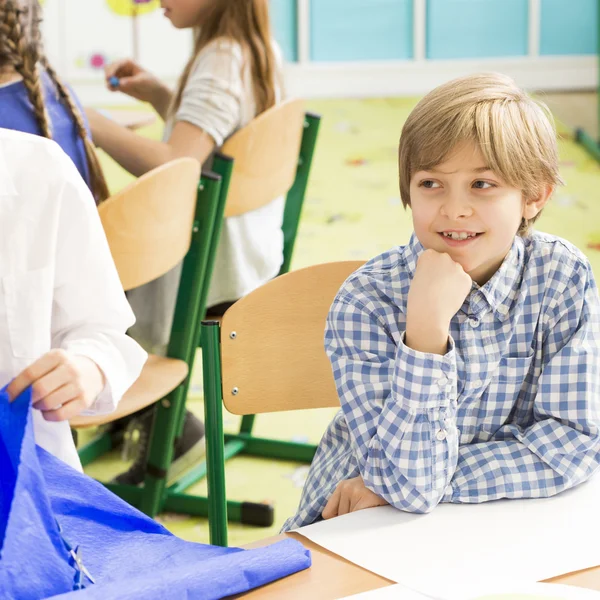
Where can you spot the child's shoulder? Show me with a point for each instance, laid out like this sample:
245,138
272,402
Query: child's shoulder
223,48
381,279
31,159
13,140
550,254
19,149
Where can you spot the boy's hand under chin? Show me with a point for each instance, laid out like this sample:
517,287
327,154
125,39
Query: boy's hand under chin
63,384
437,292
351,495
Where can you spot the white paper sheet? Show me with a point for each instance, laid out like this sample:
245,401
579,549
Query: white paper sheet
534,591
391,592
471,546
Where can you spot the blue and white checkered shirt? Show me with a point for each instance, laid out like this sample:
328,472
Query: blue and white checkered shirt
510,411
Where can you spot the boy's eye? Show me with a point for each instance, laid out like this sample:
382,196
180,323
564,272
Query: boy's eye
482,185
429,184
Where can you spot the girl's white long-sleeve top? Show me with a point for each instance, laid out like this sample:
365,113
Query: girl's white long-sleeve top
59,287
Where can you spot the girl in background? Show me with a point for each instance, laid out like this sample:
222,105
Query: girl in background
232,76
33,99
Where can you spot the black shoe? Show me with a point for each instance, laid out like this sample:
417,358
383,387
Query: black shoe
189,448
117,429
136,441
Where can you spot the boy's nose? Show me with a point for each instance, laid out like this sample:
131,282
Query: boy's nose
456,206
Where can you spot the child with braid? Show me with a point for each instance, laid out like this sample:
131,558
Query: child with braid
32,97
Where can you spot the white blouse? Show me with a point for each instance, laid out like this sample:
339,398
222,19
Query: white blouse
58,284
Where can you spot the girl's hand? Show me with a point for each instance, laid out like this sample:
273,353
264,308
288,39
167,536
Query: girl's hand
351,495
128,77
63,384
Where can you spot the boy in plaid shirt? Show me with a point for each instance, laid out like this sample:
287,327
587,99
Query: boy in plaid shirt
467,362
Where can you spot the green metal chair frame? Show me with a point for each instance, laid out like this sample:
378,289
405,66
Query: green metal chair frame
153,495
263,364
190,308
244,442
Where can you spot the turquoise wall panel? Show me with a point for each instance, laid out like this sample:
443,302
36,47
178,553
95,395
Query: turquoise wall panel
284,21
349,30
477,28
569,27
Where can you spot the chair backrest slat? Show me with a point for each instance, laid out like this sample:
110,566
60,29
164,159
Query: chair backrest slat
144,222
273,358
265,153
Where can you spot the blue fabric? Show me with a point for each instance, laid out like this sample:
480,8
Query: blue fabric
128,555
16,112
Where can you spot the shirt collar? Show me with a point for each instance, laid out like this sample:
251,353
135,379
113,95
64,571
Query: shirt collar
411,253
497,294
500,291
7,183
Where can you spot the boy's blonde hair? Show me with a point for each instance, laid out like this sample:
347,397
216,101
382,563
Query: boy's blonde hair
515,133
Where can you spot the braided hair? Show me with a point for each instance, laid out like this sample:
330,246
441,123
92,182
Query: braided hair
21,49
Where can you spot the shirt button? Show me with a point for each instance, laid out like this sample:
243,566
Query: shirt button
440,436
442,381
474,322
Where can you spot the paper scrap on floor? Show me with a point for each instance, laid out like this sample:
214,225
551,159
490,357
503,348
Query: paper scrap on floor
534,591
470,544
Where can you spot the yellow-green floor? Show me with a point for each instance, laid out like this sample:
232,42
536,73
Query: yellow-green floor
353,211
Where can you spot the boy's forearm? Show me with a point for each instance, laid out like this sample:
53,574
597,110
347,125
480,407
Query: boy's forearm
511,469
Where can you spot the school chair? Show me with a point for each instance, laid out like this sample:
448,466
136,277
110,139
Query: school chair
271,157
166,216
267,355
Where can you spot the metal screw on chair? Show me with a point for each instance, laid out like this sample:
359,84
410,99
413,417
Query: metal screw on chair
195,229
306,124
300,161
166,403
235,391
233,335
201,187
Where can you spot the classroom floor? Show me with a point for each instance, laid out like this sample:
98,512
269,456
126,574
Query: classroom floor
353,211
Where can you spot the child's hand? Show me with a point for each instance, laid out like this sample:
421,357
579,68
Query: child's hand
128,77
63,384
351,495
437,292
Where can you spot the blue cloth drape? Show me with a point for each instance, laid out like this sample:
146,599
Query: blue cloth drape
46,507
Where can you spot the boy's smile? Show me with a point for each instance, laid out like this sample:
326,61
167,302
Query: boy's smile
462,208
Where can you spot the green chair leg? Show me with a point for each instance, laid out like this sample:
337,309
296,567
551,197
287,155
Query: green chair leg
295,197
213,414
160,453
247,513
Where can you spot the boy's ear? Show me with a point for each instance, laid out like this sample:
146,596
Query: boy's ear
533,206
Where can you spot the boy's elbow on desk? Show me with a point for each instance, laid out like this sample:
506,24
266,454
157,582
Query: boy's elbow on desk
411,500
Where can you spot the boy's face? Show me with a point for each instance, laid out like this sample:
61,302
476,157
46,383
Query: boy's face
462,197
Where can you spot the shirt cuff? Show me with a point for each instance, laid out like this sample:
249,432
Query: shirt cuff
426,380
119,375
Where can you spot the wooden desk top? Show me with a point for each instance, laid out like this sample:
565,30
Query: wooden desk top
332,577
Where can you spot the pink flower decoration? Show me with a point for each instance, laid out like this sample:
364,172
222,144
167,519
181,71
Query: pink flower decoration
97,61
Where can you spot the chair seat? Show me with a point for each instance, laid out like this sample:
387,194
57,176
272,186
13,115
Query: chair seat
159,376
